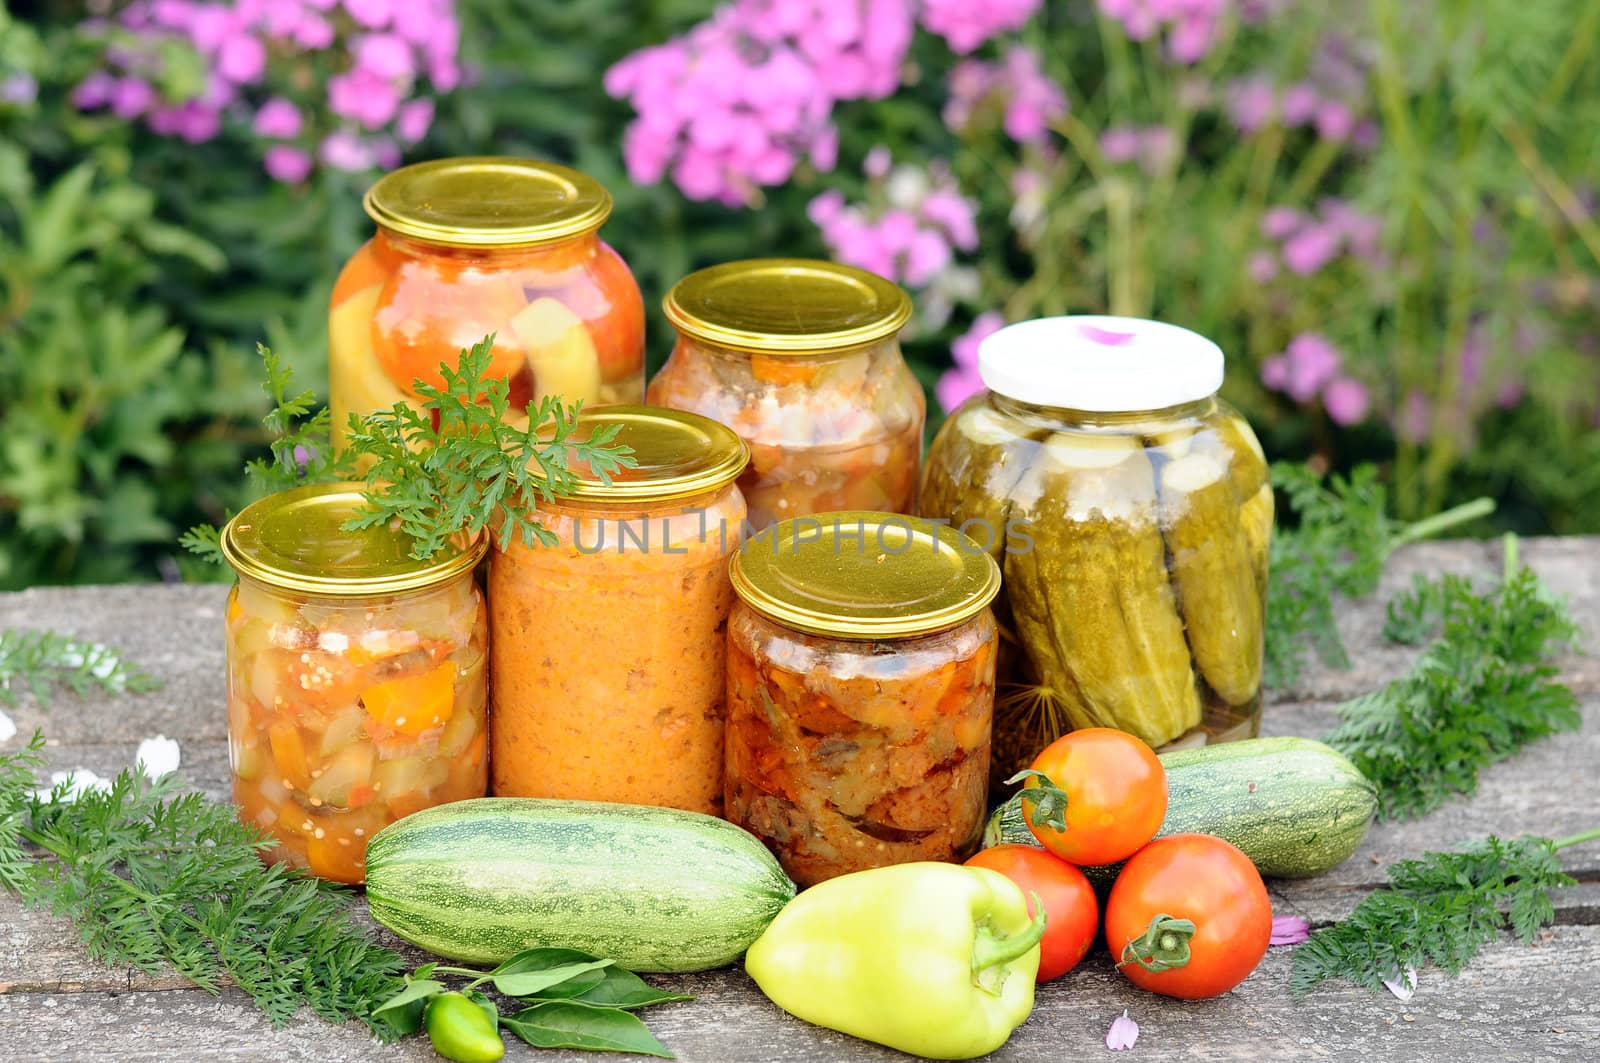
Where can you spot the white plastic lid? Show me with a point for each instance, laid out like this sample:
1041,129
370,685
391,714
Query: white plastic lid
1100,364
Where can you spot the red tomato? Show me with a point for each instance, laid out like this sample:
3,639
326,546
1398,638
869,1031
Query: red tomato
433,308
1072,913
607,298
1211,884
1116,795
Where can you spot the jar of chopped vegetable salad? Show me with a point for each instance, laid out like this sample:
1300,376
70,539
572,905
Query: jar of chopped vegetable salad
356,678
607,656
802,359
466,247
861,660
1131,512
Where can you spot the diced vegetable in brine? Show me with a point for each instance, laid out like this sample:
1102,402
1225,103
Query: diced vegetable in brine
350,770
415,703
345,726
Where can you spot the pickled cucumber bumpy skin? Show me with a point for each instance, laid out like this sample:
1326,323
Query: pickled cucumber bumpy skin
1092,601
1217,582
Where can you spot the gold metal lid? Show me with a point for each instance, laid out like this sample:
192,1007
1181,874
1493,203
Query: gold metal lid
787,306
676,454
487,202
296,540
862,574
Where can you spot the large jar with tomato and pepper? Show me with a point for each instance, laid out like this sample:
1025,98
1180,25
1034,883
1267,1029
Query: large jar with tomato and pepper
356,677
861,665
802,359
472,246
1131,512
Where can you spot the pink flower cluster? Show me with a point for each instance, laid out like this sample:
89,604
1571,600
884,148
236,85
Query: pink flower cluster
1154,147
912,238
738,101
1030,98
382,49
1330,99
1308,241
1311,367
959,383
1191,25
965,24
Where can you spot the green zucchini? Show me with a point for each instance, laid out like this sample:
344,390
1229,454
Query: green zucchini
655,889
1294,806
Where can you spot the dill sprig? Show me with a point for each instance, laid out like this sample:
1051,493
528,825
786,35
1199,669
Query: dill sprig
41,660
153,878
1440,908
456,466
1481,692
298,447
1338,545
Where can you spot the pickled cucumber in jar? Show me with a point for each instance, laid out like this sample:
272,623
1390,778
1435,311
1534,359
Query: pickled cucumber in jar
1140,516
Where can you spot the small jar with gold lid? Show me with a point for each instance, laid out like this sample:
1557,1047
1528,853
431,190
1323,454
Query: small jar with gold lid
470,246
607,657
356,677
861,659
802,359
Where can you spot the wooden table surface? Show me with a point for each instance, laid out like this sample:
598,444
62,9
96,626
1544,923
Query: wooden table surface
1514,1003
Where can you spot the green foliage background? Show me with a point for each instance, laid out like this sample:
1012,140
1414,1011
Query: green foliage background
138,273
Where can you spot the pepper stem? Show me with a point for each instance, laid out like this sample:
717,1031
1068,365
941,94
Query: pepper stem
1164,946
990,949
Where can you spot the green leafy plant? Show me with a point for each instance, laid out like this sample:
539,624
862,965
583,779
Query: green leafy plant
1341,537
1484,690
456,466
155,878
1440,908
569,1000
41,660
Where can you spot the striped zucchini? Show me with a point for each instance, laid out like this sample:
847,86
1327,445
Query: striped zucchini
654,889
1294,806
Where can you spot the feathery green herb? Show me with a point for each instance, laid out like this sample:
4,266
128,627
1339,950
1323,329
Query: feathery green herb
40,660
153,878
1342,537
456,466
1441,908
299,447
1484,690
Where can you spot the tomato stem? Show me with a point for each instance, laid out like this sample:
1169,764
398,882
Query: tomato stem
1164,945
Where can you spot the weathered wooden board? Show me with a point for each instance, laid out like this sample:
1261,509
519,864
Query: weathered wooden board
1515,1003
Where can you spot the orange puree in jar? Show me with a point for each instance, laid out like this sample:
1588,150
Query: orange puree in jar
607,656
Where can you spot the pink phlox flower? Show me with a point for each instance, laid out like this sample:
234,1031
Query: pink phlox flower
1347,402
278,119
1289,930
965,24
344,150
1029,98
1123,1034
287,164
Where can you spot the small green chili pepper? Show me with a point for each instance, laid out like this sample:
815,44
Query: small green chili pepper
462,1031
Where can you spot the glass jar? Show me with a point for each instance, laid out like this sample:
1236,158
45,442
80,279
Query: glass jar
607,659
861,663
466,247
356,686
802,359
1131,512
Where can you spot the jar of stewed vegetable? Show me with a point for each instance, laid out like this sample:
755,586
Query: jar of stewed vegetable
466,247
861,667
356,678
1131,511
802,359
607,657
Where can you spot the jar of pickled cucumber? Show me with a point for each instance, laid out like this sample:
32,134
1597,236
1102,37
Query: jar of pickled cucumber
607,657
861,666
356,679
802,359
1130,510
466,247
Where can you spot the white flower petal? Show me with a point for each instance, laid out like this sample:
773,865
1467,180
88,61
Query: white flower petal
1123,1033
8,727
157,756
1403,984
79,781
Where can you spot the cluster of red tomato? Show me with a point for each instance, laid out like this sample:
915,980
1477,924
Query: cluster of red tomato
1188,915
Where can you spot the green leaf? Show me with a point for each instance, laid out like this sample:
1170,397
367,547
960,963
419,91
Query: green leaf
486,1005
416,989
530,983
615,988
569,1024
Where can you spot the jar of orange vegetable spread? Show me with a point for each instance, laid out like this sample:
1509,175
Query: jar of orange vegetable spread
861,662
466,247
356,689
607,666
801,358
